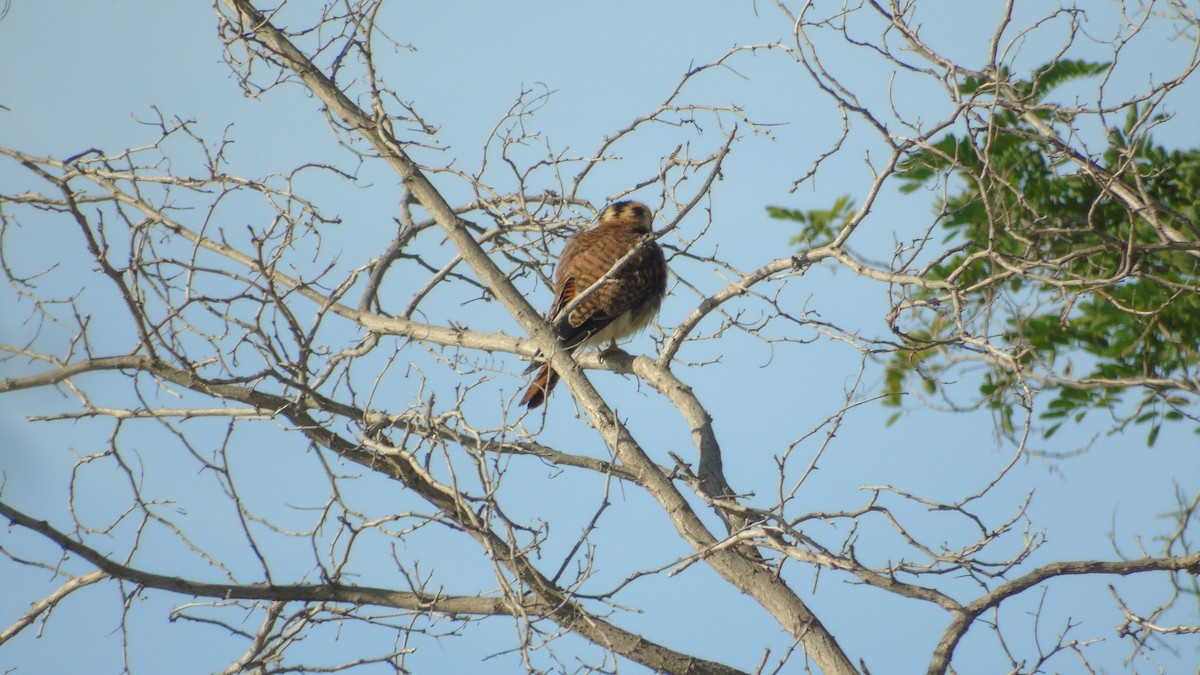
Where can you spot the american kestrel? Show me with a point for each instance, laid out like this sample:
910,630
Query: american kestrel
620,307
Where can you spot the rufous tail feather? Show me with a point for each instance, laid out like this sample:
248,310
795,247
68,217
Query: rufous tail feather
543,383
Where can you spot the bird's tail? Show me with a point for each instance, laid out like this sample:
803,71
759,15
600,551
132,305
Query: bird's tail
543,382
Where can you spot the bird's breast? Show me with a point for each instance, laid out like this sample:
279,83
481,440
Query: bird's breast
626,325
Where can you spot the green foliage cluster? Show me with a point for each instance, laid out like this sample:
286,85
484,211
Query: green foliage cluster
1081,288
818,225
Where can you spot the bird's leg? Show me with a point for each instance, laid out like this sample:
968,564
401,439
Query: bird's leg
611,350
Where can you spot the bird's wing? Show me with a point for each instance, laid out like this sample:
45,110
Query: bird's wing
587,258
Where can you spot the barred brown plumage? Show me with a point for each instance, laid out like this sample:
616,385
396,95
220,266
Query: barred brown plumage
620,307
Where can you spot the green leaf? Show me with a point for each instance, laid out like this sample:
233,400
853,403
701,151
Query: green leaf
1050,76
819,225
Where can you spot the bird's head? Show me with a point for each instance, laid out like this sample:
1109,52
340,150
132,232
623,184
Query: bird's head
634,215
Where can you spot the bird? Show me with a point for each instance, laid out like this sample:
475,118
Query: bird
620,307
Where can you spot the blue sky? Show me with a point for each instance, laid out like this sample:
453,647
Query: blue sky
91,74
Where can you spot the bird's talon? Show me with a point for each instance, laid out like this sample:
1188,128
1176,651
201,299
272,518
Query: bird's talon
612,350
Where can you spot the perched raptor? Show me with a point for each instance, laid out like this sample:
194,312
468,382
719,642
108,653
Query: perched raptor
620,307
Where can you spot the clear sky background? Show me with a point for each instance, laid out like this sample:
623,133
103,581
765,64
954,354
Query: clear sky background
91,74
